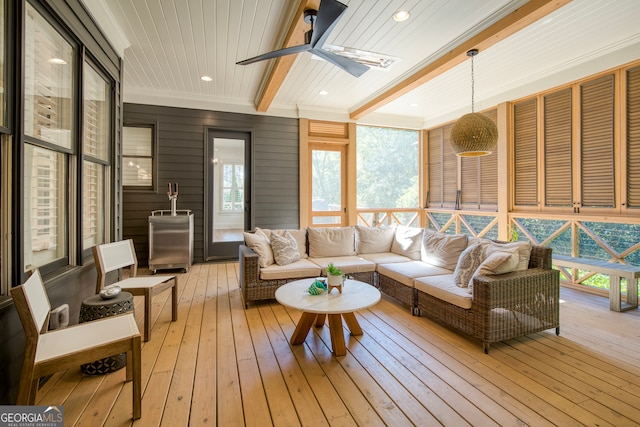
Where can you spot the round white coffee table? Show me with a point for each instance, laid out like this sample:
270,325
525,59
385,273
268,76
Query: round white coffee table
355,296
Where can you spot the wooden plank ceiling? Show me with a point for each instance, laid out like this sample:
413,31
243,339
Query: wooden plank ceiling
524,46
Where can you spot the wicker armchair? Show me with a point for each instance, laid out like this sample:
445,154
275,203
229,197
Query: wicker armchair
504,306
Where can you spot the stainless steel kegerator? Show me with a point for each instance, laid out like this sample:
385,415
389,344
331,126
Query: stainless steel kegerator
171,236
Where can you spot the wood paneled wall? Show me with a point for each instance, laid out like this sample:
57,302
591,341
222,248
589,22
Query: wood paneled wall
181,149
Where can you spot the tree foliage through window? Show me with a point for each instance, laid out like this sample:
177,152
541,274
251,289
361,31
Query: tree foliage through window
387,167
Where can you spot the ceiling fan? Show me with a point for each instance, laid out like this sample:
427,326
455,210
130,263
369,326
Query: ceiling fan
322,22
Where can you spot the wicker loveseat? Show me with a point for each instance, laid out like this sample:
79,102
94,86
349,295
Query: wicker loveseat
502,307
493,308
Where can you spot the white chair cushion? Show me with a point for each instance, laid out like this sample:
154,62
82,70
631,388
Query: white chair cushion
83,336
143,281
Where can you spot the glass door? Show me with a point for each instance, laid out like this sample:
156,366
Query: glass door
228,192
328,185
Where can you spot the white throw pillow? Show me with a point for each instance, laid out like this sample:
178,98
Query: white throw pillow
374,240
331,241
301,239
442,250
407,242
496,263
285,248
469,261
522,248
260,244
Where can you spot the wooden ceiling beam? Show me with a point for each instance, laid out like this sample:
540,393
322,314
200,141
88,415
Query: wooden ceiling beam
505,27
282,65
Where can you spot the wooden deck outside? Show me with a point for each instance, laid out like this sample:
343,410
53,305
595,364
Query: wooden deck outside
220,364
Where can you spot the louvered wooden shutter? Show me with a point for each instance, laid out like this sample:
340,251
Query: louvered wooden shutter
434,148
596,148
479,186
489,174
470,185
525,153
633,137
449,170
557,149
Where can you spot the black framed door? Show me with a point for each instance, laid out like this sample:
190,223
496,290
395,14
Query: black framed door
228,189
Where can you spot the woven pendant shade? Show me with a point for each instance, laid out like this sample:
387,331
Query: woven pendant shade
474,134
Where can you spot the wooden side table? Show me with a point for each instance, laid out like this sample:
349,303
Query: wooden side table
95,307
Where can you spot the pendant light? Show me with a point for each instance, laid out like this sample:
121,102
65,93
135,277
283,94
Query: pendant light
474,134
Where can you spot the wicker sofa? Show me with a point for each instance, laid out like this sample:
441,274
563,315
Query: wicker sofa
492,308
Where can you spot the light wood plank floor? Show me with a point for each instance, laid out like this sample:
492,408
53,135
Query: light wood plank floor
220,364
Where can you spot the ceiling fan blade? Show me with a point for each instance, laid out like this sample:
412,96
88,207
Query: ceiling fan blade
329,13
352,67
276,54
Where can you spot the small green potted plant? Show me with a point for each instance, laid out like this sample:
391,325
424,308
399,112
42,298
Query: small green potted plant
334,275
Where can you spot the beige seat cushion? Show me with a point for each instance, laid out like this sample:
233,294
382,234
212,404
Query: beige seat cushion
300,268
444,288
348,264
331,241
405,272
371,240
385,258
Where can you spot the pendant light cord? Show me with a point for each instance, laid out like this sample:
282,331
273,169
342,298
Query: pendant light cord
473,85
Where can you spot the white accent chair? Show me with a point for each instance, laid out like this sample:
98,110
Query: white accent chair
48,352
114,256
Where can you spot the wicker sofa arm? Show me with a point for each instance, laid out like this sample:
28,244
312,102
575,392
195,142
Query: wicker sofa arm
526,291
249,266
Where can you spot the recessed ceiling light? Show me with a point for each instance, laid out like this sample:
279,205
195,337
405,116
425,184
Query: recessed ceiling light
323,92
206,78
401,15
57,61
414,104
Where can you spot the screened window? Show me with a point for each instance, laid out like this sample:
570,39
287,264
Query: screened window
96,125
93,204
48,68
96,96
233,187
387,167
45,213
137,156
48,121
